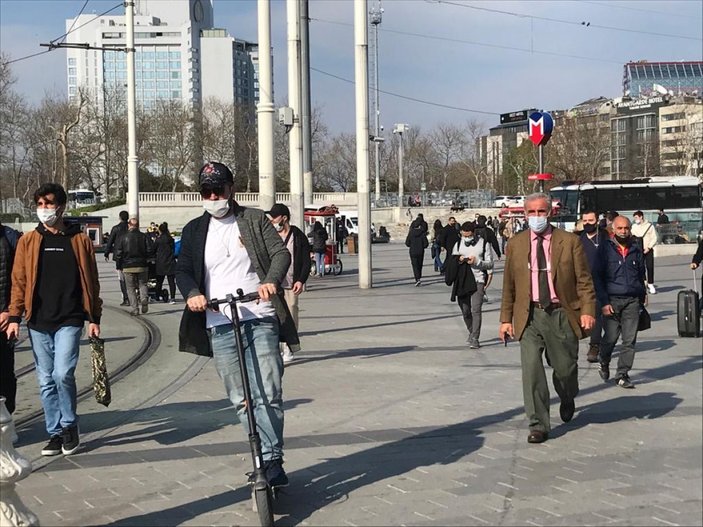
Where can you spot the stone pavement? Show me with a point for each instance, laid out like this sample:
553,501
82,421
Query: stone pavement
391,420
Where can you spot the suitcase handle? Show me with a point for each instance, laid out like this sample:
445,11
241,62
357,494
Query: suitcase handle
695,282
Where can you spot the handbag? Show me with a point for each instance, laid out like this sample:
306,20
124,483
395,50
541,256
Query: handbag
101,380
645,321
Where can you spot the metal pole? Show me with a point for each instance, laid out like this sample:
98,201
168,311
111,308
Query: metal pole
362,141
264,111
306,108
295,143
400,169
376,19
132,161
541,166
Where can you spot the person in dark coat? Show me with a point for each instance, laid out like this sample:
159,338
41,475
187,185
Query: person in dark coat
113,240
134,250
319,246
8,381
342,233
417,243
164,251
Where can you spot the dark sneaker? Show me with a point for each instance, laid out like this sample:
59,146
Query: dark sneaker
625,382
145,308
275,474
474,345
125,303
71,440
134,312
53,447
592,355
604,371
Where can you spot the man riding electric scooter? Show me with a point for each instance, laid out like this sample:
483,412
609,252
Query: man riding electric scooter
231,248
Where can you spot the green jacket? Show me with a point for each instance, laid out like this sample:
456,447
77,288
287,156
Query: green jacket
268,255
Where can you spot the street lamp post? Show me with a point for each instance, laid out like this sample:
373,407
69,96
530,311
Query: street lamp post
400,129
132,160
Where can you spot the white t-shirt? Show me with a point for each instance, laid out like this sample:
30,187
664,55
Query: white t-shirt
482,254
228,268
287,282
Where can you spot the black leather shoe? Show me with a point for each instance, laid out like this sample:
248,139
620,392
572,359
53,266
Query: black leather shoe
566,410
537,436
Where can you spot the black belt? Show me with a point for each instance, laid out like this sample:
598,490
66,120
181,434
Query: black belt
550,307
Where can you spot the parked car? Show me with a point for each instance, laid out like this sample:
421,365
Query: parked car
502,201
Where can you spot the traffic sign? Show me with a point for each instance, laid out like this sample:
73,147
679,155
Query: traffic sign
541,125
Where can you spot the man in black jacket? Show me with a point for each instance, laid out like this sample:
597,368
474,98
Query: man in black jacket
8,382
299,270
592,238
133,251
116,234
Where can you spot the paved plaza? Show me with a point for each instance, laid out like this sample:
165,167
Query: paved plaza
390,420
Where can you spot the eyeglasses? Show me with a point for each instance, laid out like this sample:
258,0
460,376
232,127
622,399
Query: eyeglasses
207,190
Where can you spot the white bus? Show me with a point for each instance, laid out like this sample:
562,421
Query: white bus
81,197
680,197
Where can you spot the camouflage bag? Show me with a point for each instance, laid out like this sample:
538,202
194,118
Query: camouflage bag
101,381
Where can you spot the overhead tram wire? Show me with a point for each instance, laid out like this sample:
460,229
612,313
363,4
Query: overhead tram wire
476,43
74,21
561,21
64,35
629,8
408,98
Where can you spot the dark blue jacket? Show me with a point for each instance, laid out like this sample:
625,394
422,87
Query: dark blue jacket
618,276
591,248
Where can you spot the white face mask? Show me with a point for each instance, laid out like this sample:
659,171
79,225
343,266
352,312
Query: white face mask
278,227
217,208
48,216
538,223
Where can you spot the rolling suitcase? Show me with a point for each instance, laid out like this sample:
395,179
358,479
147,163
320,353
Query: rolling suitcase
688,312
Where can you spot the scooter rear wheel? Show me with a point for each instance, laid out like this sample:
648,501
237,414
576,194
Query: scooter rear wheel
263,504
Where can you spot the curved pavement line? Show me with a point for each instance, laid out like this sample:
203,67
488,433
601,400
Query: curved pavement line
151,342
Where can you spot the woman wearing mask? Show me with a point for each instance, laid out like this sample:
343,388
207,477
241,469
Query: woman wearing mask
472,250
319,246
164,249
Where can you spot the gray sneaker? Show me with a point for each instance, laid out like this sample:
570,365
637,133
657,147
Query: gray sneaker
474,345
145,308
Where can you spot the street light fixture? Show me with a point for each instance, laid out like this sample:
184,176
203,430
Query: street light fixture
400,129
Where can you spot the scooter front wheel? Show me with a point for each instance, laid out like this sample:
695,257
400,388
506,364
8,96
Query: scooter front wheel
263,505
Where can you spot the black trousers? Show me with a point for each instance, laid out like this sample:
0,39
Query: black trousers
649,265
8,382
416,262
171,284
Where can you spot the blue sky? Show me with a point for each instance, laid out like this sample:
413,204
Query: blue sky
483,72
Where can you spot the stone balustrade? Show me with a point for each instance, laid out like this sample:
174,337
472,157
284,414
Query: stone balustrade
251,199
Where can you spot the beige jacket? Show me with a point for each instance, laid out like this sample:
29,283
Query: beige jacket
647,232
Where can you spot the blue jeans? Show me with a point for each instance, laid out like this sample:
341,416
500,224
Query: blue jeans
56,356
265,368
438,264
320,263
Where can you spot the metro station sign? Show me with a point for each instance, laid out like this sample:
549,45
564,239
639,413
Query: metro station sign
540,129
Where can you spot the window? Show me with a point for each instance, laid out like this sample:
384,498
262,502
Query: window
72,71
72,81
71,90
148,65
175,94
71,61
162,74
673,116
148,85
161,55
175,65
162,84
162,94
161,65
175,74
148,74
174,55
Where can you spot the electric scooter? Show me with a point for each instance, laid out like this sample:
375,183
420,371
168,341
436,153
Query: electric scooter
262,492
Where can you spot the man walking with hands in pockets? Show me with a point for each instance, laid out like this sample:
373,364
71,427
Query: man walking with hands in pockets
548,305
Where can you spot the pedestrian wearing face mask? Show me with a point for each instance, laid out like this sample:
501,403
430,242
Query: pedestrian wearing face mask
293,283
646,232
548,305
55,287
231,247
474,251
593,237
619,280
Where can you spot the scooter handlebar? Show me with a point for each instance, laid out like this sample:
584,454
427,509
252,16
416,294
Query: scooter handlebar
214,303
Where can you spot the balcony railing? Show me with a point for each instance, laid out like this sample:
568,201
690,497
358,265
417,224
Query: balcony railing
187,199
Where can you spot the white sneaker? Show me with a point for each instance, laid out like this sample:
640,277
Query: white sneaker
652,290
288,356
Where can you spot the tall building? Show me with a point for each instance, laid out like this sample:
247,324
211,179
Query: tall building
643,78
178,55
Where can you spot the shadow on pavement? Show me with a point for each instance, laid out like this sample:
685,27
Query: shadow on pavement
368,326
654,345
319,485
367,353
